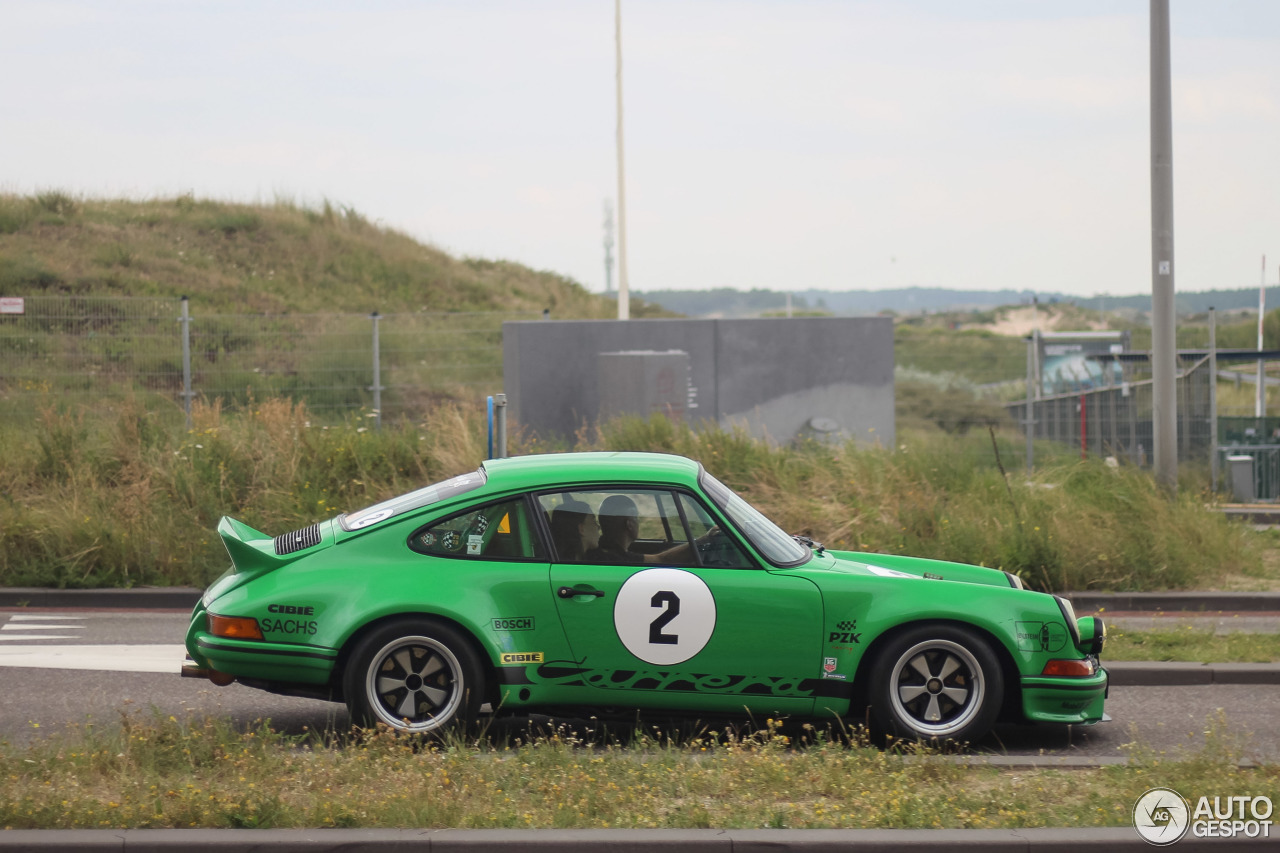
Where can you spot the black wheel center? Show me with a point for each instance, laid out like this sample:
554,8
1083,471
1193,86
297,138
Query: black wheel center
934,686
413,682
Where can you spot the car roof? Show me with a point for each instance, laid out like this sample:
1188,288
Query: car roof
552,469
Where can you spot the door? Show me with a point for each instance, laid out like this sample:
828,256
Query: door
668,610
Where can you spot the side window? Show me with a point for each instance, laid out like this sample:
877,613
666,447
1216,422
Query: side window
624,526
716,549
498,531
629,526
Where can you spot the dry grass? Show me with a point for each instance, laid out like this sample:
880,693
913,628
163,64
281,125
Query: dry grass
203,773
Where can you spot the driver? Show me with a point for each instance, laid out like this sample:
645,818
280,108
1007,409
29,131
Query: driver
620,527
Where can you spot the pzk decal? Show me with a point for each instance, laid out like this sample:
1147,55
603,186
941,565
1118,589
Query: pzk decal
845,634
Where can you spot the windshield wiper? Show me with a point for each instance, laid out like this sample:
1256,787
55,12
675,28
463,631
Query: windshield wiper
817,547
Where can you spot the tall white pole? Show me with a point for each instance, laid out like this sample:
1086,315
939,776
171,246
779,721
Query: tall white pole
624,296
1164,385
1260,402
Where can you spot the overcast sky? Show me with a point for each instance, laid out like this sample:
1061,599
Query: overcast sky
782,144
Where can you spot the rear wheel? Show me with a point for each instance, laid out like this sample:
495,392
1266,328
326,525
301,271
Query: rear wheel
414,675
936,682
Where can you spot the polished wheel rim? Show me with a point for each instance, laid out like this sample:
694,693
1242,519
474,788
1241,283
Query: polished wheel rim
414,684
937,687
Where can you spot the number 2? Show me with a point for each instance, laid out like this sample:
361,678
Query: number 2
670,611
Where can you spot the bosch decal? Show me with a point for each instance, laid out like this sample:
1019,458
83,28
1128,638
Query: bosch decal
513,623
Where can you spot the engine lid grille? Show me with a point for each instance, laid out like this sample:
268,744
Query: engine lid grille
287,543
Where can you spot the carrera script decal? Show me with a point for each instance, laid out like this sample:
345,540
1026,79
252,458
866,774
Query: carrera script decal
572,674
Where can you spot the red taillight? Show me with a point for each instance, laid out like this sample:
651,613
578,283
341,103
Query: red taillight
234,627
1069,668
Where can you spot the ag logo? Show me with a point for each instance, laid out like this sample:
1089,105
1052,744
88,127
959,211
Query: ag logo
664,616
1161,816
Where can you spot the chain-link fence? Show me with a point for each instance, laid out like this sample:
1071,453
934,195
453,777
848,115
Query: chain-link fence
84,349
1116,419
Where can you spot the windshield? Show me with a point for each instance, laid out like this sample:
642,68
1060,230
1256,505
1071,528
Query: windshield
776,546
414,500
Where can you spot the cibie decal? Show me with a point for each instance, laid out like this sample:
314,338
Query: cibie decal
521,657
664,616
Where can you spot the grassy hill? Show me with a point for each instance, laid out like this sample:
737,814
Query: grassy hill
277,258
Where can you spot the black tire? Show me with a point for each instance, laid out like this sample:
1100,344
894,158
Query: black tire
936,682
414,675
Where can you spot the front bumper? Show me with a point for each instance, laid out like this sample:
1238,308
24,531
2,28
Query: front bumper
1065,700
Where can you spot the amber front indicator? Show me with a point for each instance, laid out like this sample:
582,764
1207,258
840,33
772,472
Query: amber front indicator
234,627
1069,668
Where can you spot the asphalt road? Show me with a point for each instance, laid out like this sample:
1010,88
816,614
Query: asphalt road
61,668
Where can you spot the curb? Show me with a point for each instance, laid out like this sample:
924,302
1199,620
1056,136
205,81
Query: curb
1186,602
583,840
1171,673
138,598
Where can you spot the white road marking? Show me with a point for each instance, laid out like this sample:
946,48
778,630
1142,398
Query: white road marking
26,617
167,658
27,622
26,638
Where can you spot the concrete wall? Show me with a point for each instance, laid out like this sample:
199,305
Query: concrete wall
775,376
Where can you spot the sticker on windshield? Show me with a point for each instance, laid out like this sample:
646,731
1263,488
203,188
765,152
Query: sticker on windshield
664,616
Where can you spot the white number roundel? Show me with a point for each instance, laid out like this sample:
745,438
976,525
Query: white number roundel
664,616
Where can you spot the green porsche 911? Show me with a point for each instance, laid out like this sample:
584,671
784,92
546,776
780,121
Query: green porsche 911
637,581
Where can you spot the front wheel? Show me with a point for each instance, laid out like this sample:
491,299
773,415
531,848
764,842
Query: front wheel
936,682
414,675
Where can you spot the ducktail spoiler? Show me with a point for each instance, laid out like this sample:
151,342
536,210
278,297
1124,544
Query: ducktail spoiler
250,550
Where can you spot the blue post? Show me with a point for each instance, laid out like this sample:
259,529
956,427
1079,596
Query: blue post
490,456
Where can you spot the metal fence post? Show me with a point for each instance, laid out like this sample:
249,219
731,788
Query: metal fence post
500,419
185,322
1213,399
377,374
1029,420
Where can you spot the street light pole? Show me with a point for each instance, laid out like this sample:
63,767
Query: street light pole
1164,393
624,297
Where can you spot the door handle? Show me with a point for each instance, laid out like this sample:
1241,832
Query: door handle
570,592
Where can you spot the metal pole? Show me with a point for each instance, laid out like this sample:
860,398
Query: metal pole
1260,392
624,297
500,411
1029,420
186,358
1213,399
377,374
1163,360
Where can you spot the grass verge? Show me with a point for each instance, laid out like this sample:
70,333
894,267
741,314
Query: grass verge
1188,643
202,772
123,496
